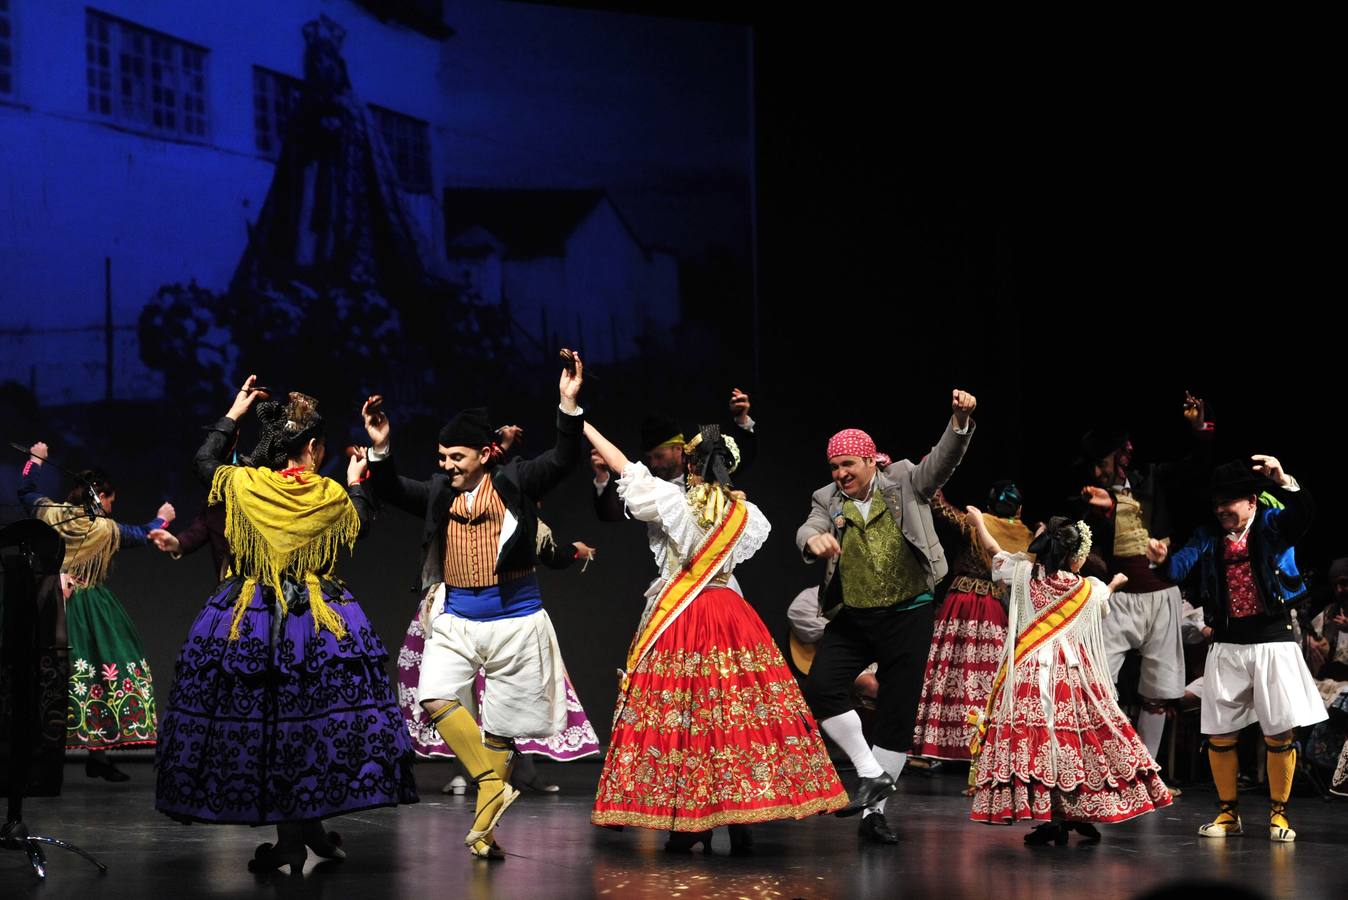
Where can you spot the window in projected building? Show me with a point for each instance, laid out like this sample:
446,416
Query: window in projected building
409,148
275,97
144,79
6,49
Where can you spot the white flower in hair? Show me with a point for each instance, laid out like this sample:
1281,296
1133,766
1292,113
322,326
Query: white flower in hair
1084,548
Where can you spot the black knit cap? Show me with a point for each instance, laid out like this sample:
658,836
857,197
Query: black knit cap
470,428
1234,480
659,428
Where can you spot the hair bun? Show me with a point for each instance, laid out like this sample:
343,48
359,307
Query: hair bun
300,413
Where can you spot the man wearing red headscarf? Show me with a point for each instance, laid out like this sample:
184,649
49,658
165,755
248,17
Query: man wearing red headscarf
874,531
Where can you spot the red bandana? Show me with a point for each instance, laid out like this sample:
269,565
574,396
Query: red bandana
851,442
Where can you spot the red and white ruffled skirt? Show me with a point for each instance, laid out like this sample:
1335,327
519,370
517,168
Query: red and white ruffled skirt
1067,751
966,649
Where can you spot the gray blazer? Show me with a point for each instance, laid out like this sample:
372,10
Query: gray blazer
907,489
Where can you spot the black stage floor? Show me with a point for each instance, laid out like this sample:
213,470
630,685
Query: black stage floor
555,853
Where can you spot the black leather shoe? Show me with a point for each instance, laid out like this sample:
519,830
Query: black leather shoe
869,790
1089,833
1048,833
684,841
875,829
98,768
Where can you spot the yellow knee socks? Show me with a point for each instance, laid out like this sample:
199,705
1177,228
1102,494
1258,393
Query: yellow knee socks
1282,764
1225,767
487,764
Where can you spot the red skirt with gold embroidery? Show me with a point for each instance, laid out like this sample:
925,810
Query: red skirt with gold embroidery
712,730
966,648
1076,757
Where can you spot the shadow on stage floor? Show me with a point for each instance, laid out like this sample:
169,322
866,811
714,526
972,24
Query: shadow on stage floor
555,853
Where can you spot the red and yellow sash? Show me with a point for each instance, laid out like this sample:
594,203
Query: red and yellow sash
1047,624
684,587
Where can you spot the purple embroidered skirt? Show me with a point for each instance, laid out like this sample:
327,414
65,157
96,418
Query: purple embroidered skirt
283,724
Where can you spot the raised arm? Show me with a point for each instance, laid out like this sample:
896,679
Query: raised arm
938,465
357,470
385,484
542,473
214,450
614,458
1291,522
981,533
29,495
742,428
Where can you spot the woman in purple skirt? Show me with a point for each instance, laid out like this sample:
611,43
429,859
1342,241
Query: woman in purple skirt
282,713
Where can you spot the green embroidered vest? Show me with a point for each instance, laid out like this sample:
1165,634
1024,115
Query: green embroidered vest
878,568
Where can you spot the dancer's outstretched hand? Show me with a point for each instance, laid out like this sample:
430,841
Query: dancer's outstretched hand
244,400
1097,497
356,467
573,374
38,452
376,423
167,512
165,540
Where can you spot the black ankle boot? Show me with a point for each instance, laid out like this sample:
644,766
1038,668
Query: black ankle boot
741,840
101,768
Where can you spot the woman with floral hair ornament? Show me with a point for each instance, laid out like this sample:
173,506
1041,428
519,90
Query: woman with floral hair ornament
710,727
281,712
1056,747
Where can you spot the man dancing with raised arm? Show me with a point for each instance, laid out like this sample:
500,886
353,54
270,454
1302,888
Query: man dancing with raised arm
1255,672
484,606
874,530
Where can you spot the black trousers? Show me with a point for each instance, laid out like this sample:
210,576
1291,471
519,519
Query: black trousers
899,643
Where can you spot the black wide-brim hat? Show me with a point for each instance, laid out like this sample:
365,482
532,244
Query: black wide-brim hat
1234,480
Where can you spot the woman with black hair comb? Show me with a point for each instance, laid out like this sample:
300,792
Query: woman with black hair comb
282,713
1056,746
710,728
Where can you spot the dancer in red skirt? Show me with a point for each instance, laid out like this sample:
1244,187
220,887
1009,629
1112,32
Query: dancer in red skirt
1058,749
710,727
966,645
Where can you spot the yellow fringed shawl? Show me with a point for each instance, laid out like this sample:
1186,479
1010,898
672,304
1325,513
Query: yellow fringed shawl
279,523
90,542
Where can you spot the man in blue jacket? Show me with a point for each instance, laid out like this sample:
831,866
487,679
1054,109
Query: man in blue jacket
1248,578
